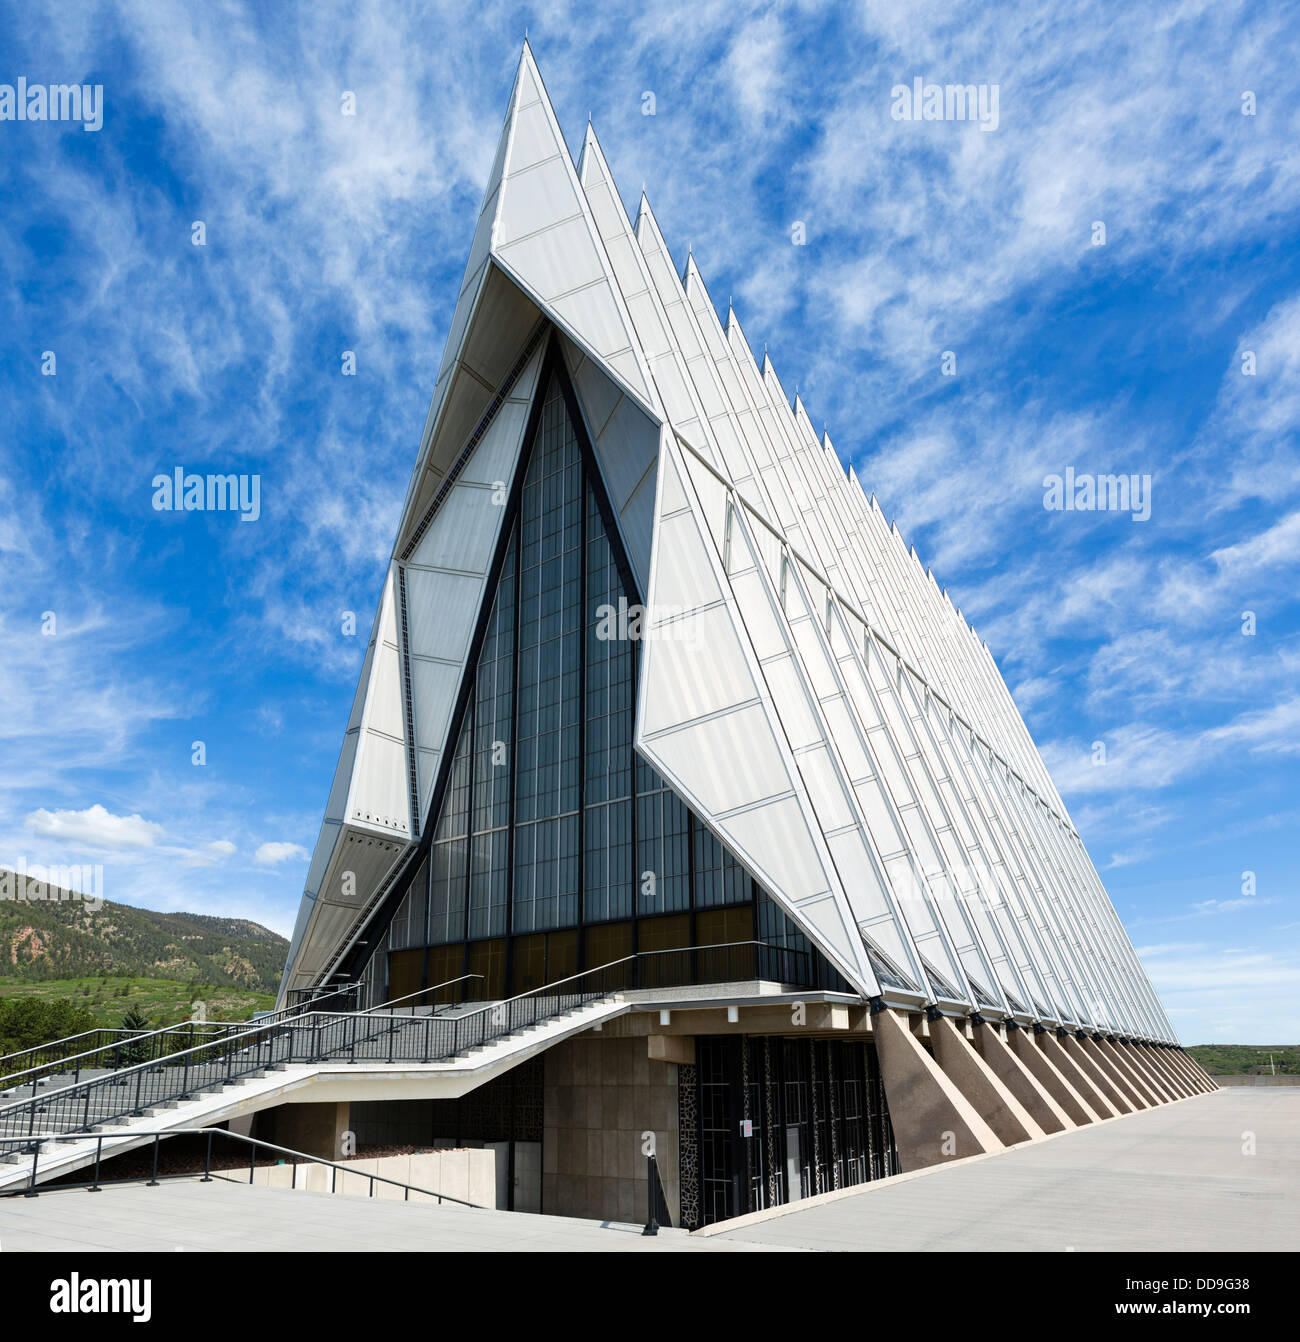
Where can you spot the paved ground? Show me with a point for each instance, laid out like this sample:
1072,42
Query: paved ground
1177,1177
196,1216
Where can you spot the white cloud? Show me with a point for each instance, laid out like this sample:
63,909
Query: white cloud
754,66
95,827
216,851
272,854
1142,755
1206,907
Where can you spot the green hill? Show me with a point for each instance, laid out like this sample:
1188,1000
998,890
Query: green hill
1247,1059
44,940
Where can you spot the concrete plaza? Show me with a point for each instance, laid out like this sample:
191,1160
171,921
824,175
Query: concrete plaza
1215,1172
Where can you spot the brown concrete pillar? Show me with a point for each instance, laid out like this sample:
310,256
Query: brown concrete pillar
1050,1077
1084,1061
1210,1082
1155,1058
1136,1094
1173,1060
1198,1073
933,1121
967,1070
1139,1074
1141,1057
1065,1064
1037,1100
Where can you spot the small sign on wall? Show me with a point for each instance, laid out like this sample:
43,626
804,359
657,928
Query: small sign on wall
747,1127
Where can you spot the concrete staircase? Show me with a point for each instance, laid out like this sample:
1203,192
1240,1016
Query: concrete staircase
330,1079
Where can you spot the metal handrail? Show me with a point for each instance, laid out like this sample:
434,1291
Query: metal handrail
420,992
123,1076
67,1039
626,959
215,1028
271,1017
429,1039
311,1037
96,1183
286,1013
61,1064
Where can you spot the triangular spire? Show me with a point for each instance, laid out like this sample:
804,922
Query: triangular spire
544,236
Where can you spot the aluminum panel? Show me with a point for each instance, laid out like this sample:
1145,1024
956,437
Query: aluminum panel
699,668
732,761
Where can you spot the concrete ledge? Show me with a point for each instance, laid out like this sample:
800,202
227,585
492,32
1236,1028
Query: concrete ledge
1282,1079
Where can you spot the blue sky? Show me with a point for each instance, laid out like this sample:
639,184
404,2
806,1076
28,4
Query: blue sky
327,233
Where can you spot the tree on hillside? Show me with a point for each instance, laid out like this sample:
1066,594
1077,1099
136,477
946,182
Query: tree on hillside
134,1019
26,1021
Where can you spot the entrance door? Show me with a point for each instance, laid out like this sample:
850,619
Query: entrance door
502,1152
793,1165
528,1177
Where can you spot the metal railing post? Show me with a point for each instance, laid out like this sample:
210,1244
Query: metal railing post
651,1225
99,1151
153,1182
207,1161
31,1186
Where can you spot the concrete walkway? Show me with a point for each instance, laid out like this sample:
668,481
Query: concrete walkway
193,1216
1176,1177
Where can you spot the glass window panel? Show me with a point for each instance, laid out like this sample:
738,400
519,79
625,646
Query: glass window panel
548,729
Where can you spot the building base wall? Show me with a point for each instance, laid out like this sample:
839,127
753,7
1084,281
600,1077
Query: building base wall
314,1129
601,1096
